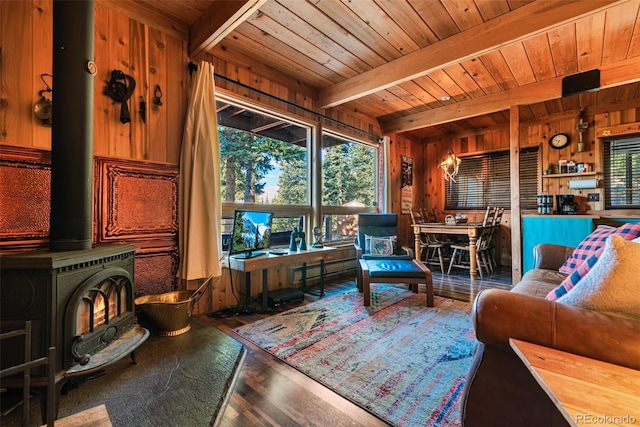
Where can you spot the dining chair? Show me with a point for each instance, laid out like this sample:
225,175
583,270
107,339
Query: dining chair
48,404
490,251
460,257
431,248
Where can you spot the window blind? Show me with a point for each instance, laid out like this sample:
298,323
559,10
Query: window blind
484,180
622,173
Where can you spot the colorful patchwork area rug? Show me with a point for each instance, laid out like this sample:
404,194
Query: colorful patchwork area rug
400,360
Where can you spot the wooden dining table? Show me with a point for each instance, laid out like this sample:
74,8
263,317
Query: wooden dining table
470,229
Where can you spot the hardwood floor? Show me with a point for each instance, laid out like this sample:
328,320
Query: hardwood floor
271,393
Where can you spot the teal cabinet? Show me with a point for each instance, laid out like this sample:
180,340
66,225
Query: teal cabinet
567,230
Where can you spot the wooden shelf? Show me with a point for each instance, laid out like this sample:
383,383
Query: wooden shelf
572,175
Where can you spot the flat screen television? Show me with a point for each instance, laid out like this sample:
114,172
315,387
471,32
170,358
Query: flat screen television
251,233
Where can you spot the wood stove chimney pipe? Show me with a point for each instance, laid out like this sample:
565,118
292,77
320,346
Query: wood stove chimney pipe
72,126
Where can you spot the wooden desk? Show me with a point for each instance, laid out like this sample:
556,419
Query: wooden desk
586,391
267,261
472,230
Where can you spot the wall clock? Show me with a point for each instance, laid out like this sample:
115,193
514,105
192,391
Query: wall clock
559,141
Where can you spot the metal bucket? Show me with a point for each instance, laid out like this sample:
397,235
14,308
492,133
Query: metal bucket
171,311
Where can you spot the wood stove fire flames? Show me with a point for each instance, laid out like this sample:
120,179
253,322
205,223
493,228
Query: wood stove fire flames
103,311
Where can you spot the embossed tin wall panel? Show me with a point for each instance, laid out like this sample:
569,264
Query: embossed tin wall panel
25,192
138,200
156,270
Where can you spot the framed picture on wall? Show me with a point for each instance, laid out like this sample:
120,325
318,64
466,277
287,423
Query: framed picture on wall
406,180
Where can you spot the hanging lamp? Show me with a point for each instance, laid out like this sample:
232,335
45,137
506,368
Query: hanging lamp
451,164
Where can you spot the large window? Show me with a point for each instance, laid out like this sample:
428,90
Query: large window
349,184
263,158
264,166
484,180
622,173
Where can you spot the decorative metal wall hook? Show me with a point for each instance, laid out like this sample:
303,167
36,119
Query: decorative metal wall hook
43,108
157,94
143,110
120,89
48,87
192,67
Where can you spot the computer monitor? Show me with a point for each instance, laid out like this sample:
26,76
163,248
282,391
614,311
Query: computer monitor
251,233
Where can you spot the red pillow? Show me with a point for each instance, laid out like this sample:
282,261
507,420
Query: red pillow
595,241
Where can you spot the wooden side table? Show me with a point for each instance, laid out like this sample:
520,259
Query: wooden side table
586,391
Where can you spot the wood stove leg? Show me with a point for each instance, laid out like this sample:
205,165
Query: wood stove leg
133,357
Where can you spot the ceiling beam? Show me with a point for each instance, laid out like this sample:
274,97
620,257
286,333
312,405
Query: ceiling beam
219,20
526,21
148,16
614,74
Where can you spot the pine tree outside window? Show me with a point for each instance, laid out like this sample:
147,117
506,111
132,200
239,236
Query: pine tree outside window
266,166
349,184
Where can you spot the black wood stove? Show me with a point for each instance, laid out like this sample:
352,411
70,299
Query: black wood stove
79,298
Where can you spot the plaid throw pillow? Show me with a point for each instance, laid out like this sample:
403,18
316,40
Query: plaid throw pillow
573,279
594,241
595,244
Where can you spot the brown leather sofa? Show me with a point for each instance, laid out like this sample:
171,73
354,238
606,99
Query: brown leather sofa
500,391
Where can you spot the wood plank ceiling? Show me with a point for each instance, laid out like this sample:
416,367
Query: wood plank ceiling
417,65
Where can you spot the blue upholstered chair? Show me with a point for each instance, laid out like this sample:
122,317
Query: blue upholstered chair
376,225
380,260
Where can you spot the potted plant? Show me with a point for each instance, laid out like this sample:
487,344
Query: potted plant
549,170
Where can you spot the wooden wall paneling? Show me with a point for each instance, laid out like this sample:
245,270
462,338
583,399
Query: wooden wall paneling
230,71
227,290
140,46
177,97
473,143
158,114
515,214
628,116
419,168
138,201
539,109
205,303
434,198
629,92
25,174
402,146
42,64
101,102
272,87
17,63
119,58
